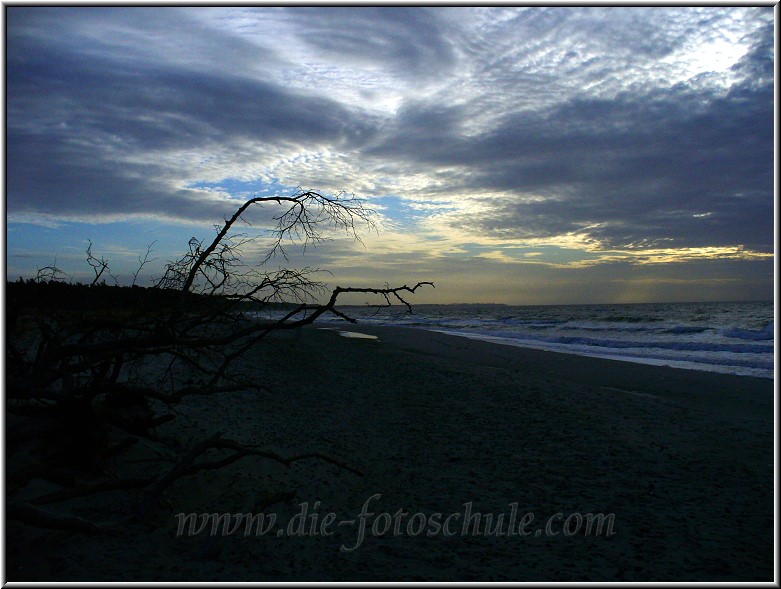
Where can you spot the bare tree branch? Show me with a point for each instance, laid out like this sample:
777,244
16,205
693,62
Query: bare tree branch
98,265
143,262
51,273
126,368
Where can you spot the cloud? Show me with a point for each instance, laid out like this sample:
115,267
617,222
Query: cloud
82,124
639,168
408,41
629,130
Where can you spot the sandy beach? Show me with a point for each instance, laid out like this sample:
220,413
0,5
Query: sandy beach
439,424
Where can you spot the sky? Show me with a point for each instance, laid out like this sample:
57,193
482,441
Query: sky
520,155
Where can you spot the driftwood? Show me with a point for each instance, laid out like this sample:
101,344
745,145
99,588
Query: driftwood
186,465
83,376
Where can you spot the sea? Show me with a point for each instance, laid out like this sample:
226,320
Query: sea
733,337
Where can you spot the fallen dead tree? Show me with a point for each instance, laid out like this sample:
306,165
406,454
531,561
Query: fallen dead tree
85,386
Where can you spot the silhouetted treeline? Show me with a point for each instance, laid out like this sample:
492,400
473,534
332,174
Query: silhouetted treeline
63,296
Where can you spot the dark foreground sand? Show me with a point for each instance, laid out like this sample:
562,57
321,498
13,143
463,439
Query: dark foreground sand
439,425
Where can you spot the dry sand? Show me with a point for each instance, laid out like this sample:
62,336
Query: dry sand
439,424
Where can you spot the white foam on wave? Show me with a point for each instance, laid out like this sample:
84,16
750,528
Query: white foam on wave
766,333
690,364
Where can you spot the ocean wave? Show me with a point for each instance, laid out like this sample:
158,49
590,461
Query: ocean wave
685,329
630,319
766,333
760,365
618,344
668,345
631,328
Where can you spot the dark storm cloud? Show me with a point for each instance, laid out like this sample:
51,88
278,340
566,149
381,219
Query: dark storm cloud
163,107
645,169
77,117
679,167
138,36
410,41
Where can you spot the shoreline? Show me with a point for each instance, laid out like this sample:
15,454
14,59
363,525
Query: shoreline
683,459
563,364
698,354
671,363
